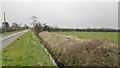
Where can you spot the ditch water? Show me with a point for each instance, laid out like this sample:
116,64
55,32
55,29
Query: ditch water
50,57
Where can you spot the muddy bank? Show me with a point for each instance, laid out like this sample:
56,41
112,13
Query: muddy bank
71,51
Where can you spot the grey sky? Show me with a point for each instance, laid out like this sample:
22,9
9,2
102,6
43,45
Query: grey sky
64,14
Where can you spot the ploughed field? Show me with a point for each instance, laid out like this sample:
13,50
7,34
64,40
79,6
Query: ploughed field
83,48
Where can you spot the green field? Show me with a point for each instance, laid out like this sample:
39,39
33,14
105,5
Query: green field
25,51
112,36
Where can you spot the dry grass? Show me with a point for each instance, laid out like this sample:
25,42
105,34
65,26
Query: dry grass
72,51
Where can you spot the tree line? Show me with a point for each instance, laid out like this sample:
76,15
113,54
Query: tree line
39,28
51,29
7,28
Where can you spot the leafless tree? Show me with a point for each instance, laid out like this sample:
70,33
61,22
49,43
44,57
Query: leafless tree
34,20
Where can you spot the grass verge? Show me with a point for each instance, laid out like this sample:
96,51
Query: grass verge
25,51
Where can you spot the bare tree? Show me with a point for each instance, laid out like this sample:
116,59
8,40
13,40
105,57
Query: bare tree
36,24
34,20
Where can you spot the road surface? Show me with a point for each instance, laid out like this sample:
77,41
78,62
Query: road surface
6,40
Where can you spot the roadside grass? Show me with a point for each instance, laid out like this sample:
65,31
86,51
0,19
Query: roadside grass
0,59
112,36
7,33
25,51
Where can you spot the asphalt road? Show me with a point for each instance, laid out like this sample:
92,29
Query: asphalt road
6,40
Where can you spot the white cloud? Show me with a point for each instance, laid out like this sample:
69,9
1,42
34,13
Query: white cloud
64,14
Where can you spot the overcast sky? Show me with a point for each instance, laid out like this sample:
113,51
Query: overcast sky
64,14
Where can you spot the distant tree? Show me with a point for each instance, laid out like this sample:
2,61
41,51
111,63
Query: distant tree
46,27
15,25
36,24
38,27
5,25
25,27
34,20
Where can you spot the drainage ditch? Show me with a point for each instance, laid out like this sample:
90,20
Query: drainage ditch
51,56
53,59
